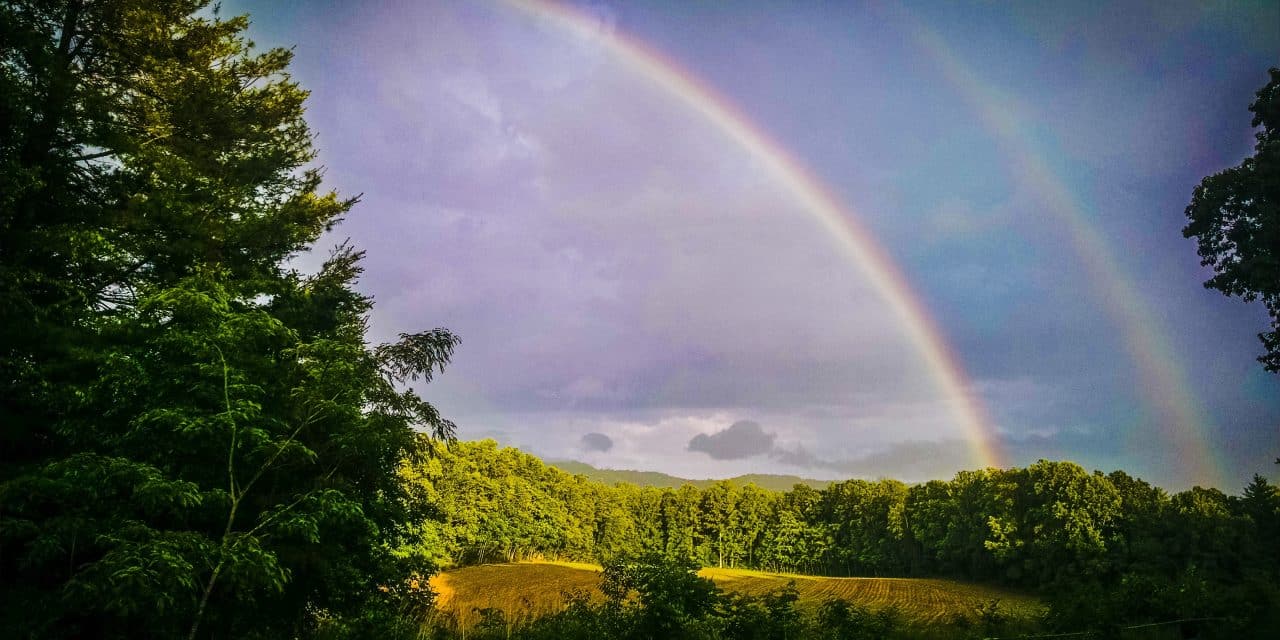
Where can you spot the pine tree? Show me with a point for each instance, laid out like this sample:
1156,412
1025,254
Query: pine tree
197,441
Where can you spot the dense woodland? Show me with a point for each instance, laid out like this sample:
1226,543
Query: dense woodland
199,440
1053,528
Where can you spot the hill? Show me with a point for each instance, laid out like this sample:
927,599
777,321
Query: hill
528,589
660,480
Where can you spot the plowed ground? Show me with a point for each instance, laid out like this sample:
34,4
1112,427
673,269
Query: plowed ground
530,589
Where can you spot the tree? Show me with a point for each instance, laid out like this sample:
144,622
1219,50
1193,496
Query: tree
755,510
681,519
1141,527
1069,518
719,522
927,511
197,441
1235,217
1261,503
671,598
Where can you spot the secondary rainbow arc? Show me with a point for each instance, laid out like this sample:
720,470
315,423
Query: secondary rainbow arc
841,223
1167,390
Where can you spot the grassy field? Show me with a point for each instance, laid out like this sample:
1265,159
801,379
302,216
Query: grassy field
534,588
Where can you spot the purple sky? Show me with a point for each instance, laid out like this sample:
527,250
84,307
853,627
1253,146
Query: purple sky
616,266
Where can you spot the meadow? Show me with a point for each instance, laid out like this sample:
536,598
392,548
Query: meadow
525,590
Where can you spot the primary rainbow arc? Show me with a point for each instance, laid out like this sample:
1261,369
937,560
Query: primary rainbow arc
855,242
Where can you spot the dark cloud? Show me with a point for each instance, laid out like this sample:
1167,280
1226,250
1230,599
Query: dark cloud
597,442
742,439
920,460
798,457
910,461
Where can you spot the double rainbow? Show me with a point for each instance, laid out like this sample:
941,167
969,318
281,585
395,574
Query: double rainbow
1167,389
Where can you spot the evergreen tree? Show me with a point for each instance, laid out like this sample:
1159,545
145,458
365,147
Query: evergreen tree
197,441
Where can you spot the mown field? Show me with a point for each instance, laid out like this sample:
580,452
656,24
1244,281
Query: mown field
535,588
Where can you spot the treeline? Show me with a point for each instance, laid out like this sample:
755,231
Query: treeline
1052,527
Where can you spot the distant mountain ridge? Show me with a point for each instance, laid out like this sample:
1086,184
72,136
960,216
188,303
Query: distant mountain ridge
661,480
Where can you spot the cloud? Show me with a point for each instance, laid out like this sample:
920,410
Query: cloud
597,442
798,457
910,460
919,460
742,439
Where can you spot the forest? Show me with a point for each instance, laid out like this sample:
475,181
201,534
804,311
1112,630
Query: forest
200,439
1104,549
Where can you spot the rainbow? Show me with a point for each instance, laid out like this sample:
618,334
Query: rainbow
858,246
1166,390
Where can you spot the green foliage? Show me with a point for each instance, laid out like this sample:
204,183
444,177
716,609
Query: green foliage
867,525
844,621
990,617
672,601
1093,544
1057,524
197,440
1235,217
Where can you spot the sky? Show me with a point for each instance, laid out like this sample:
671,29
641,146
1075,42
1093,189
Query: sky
637,288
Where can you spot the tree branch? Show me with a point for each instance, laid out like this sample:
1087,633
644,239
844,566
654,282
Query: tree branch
310,420
235,500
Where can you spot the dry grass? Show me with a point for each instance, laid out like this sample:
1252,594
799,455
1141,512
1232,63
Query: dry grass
919,600
535,588
525,589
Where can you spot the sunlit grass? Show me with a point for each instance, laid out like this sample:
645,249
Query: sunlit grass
531,589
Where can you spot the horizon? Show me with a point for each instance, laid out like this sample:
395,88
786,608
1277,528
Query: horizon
834,479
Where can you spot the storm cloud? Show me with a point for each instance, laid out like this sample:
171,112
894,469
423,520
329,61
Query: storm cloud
920,460
597,442
798,457
742,439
